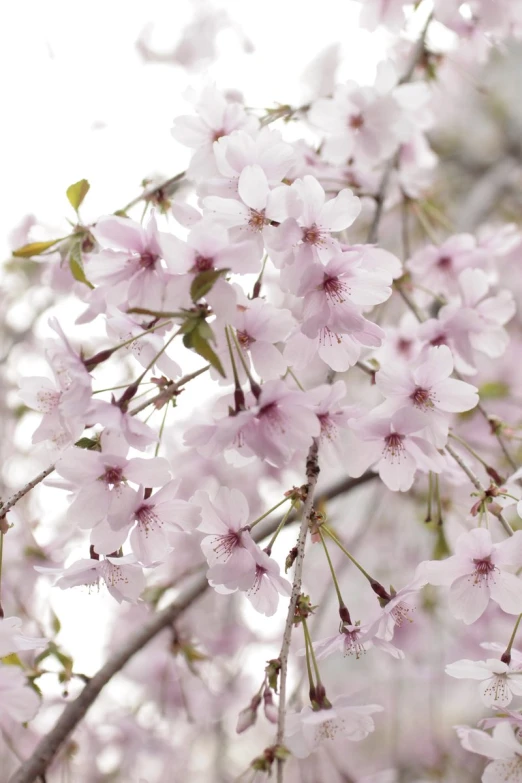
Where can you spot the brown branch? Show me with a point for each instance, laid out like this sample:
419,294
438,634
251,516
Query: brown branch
312,474
8,505
159,193
36,765
168,391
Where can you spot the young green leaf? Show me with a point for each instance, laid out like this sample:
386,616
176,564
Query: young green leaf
203,282
35,248
77,192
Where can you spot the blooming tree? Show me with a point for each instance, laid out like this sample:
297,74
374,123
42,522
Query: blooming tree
286,443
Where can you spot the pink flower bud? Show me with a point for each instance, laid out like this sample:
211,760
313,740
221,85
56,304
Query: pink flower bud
248,716
269,706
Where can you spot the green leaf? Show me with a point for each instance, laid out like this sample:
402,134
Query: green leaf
203,348
77,192
88,443
35,248
76,265
203,282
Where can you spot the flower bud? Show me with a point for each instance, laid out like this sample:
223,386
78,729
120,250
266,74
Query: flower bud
269,707
248,716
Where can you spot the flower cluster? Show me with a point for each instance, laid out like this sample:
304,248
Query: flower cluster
322,348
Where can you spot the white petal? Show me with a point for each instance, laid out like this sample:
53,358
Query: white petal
253,187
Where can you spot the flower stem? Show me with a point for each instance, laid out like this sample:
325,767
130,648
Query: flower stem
332,570
256,389
162,427
312,653
311,684
506,656
430,496
439,501
292,373
348,555
254,523
239,397
280,526
469,448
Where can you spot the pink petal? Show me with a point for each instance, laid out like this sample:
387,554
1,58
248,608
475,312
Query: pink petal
253,187
341,211
468,599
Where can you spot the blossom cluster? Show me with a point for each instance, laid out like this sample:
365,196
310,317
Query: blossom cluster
268,268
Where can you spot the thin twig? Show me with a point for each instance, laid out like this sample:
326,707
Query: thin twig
478,485
8,505
166,393
163,190
417,55
312,474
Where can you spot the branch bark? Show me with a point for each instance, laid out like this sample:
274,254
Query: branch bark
312,474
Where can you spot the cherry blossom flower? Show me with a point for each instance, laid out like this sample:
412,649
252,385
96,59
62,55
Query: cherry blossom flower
156,517
475,323
257,208
229,548
342,283
307,729
212,439
476,574
131,429
263,150
122,576
398,608
259,325
502,747
151,522
361,122
402,344
278,426
283,423
99,482
64,402
333,417
427,387
354,640
130,262
305,236
396,447
438,268
264,592
498,681
13,640
216,118
19,701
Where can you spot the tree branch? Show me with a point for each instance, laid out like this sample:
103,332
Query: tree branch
312,474
8,505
